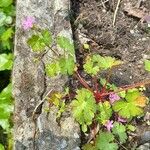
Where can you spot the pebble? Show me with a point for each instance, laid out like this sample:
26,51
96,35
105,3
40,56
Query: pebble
63,144
145,146
132,31
144,39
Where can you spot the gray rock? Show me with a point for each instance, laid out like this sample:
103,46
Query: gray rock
145,146
30,84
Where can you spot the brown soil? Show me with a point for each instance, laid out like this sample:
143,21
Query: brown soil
128,40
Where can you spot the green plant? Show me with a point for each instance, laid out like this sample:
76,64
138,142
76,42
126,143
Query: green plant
7,13
99,104
147,65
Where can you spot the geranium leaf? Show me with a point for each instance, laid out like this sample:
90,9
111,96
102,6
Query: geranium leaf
91,66
47,37
104,112
127,109
52,69
36,43
105,141
65,44
67,65
84,107
96,63
120,130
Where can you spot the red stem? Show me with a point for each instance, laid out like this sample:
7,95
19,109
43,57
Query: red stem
107,80
83,82
127,87
96,84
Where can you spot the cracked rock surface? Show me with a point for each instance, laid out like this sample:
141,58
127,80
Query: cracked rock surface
30,84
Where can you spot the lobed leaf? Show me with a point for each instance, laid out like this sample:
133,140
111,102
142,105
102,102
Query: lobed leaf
105,141
84,107
65,44
120,130
108,62
104,112
96,63
131,106
127,109
67,65
52,69
47,37
38,42
91,66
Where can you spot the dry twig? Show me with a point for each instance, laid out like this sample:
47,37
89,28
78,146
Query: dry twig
115,13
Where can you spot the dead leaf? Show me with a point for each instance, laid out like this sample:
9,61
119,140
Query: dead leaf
141,101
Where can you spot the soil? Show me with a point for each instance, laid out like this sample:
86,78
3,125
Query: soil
128,40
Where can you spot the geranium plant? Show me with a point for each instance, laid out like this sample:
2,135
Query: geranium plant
103,110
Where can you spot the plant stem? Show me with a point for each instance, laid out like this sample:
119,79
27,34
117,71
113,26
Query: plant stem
82,81
53,51
127,87
95,83
107,80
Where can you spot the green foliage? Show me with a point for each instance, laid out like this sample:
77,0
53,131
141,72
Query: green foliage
67,65
7,13
5,3
84,108
56,99
86,46
105,141
39,41
108,85
128,108
6,107
6,37
91,66
104,112
63,65
108,62
61,109
131,127
89,147
95,63
147,65
91,107
47,37
4,19
52,69
120,130
65,44
2,147
6,62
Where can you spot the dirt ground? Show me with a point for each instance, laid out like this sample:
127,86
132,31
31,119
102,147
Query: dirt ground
127,39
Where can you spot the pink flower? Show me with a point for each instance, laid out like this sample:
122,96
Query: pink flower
109,125
28,22
120,119
113,97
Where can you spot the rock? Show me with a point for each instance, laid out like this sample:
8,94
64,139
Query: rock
145,146
31,85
